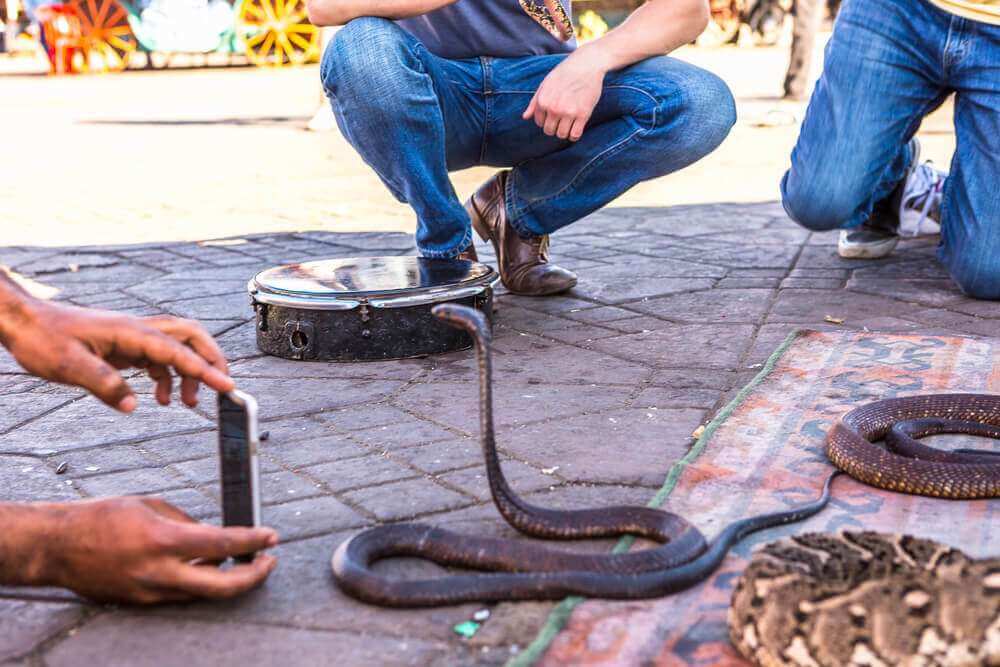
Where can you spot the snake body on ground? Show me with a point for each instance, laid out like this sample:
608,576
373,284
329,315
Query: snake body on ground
907,466
521,571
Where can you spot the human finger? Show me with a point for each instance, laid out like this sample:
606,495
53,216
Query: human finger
564,127
87,370
152,594
159,348
200,540
551,123
192,334
147,594
212,582
189,391
164,382
579,125
532,106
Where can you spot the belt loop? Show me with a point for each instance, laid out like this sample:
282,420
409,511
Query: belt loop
487,64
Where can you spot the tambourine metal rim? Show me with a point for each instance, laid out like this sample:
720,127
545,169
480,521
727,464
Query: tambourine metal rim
273,298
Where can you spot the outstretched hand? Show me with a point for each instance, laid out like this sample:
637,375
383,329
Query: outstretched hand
87,348
146,551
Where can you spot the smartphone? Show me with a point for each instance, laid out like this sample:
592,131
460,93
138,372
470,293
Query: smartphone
239,464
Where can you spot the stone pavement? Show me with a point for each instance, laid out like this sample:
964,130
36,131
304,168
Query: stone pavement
598,393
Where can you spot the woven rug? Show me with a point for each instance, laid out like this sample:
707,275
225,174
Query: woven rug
764,452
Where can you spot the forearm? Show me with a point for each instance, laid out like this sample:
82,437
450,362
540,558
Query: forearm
339,12
654,29
26,541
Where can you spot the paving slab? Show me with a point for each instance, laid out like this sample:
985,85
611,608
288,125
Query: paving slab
88,422
138,641
597,394
28,623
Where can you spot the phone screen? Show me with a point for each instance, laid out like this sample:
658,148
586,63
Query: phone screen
236,452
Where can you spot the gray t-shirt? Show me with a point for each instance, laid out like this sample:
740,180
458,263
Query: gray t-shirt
471,28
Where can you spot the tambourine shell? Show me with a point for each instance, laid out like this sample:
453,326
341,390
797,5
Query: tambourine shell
366,309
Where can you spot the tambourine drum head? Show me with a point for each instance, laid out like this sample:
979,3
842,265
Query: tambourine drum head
367,308
370,276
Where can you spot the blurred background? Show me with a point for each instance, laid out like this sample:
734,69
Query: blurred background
140,121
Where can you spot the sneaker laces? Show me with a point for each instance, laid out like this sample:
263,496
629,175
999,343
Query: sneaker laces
922,195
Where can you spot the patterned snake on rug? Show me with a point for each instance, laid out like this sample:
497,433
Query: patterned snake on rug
907,466
521,571
866,599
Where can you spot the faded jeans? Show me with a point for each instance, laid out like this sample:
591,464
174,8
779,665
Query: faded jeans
889,64
414,116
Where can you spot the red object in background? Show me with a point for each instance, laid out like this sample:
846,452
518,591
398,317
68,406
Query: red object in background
62,35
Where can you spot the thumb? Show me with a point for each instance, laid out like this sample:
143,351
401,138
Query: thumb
530,111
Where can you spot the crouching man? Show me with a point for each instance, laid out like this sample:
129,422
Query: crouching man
422,87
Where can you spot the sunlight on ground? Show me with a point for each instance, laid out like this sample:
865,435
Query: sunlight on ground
185,155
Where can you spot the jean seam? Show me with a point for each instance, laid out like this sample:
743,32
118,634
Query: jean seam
652,98
487,106
569,187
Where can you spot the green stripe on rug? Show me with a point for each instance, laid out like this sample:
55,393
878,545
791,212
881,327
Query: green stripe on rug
560,614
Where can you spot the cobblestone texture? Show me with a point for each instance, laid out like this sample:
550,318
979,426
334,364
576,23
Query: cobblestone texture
598,393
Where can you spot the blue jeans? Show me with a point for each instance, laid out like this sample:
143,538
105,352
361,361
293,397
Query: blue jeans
414,116
889,64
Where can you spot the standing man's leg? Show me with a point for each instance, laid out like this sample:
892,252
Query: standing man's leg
808,17
653,118
411,116
970,218
883,74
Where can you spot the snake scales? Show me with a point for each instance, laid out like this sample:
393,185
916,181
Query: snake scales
907,466
524,571
861,598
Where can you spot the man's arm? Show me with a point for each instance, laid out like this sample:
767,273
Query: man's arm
339,12
87,348
563,103
136,550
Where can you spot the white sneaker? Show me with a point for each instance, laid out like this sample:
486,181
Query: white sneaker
920,204
913,210
323,120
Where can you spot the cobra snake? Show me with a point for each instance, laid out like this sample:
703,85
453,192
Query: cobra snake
521,571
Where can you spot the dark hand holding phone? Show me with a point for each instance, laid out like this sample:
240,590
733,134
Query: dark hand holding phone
240,473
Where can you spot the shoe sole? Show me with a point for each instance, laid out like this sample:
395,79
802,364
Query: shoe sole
867,250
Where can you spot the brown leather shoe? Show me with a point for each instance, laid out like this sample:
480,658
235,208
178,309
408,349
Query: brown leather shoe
469,254
524,263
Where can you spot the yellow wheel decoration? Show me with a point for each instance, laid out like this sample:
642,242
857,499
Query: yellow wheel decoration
277,32
107,41
725,24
